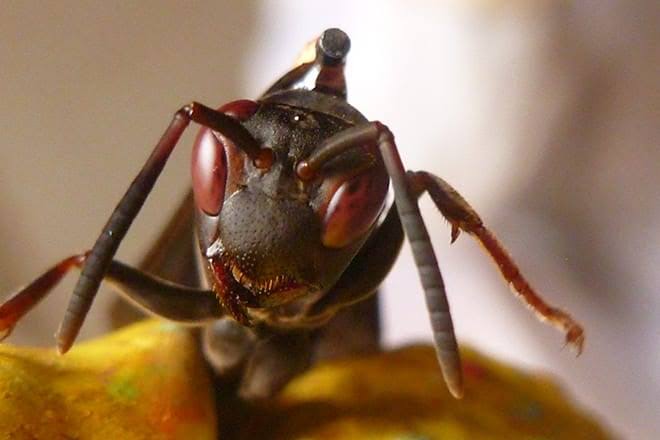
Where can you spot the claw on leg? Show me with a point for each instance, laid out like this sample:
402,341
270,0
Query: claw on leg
463,217
455,232
509,270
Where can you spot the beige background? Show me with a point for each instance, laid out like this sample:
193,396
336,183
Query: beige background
544,115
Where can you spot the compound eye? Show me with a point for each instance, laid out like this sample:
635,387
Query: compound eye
354,208
209,172
241,109
209,160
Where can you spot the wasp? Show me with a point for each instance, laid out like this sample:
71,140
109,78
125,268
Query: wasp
293,226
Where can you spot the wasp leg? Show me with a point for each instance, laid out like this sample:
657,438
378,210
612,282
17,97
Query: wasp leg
353,331
22,301
321,64
274,361
226,345
162,298
171,256
154,295
462,217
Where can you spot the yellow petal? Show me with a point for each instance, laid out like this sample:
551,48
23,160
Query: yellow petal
401,395
147,381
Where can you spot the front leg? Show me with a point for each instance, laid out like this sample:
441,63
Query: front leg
462,217
227,345
154,295
275,360
261,361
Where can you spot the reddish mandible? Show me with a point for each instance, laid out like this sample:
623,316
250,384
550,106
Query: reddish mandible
293,231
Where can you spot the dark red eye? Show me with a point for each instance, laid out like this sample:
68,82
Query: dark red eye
209,160
209,172
241,109
354,208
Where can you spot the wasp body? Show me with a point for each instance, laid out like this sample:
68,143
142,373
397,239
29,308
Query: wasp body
292,226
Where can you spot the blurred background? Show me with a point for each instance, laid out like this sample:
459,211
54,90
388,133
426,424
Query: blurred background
544,114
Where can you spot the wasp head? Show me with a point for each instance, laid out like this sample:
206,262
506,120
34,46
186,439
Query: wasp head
269,237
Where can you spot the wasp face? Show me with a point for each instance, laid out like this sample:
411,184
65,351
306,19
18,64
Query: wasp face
269,237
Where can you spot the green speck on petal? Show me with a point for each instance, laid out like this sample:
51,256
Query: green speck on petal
123,389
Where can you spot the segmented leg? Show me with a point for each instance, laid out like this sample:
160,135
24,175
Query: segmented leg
25,299
462,217
154,295
171,256
227,345
274,361
353,331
